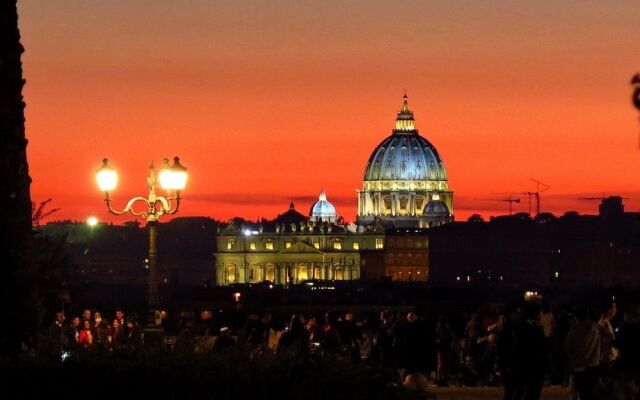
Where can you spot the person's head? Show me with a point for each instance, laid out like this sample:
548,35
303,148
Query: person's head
609,309
86,314
267,317
420,310
119,314
411,317
97,316
532,311
60,317
116,323
348,316
546,307
581,313
331,318
512,312
86,325
386,316
632,313
131,319
296,323
75,322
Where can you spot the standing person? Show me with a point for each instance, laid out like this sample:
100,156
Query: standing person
86,317
444,341
547,319
329,334
102,331
57,335
582,346
134,335
383,339
529,355
350,336
506,347
118,337
417,350
627,382
294,340
608,351
73,333
85,336
122,320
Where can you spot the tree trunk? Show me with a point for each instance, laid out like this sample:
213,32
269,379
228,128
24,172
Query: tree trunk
17,265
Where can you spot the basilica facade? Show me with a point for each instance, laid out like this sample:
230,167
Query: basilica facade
404,190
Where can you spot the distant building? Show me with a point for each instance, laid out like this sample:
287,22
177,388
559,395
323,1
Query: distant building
572,250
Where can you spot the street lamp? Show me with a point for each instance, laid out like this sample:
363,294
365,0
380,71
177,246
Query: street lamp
173,179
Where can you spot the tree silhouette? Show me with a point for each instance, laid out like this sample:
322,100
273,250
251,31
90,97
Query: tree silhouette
17,262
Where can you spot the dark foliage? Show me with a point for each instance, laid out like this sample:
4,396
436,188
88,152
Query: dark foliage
231,375
17,272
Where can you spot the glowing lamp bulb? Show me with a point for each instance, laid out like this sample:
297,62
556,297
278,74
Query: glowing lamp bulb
173,177
107,177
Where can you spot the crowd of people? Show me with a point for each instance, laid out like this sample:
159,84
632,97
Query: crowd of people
91,333
522,346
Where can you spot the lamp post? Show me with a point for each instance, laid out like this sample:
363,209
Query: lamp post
173,179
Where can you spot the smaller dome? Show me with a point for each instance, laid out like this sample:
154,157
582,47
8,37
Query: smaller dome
322,210
436,208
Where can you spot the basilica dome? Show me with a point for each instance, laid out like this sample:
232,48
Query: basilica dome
405,182
322,210
405,155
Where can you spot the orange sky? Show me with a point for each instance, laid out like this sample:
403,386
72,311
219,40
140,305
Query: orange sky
270,102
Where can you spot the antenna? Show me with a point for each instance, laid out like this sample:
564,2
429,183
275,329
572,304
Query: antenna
540,187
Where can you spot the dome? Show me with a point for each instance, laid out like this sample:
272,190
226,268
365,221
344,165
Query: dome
405,155
322,210
436,208
405,182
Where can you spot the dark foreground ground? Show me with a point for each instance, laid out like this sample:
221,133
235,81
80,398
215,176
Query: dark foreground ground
487,393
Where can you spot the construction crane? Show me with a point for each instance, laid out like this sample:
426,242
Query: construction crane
602,198
509,200
540,187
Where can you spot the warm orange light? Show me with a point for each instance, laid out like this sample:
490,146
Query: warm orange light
173,177
107,177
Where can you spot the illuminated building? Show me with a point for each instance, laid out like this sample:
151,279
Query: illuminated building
405,188
405,182
293,248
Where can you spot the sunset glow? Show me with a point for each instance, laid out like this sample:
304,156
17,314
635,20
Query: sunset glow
268,102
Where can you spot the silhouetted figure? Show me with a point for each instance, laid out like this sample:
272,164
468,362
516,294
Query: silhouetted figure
294,339
384,339
416,347
444,342
582,346
529,354
58,336
506,347
225,341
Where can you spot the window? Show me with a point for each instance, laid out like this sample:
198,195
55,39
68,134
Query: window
379,243
231,244
252,246
356,246
337,245
268,245
316,245
287,245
